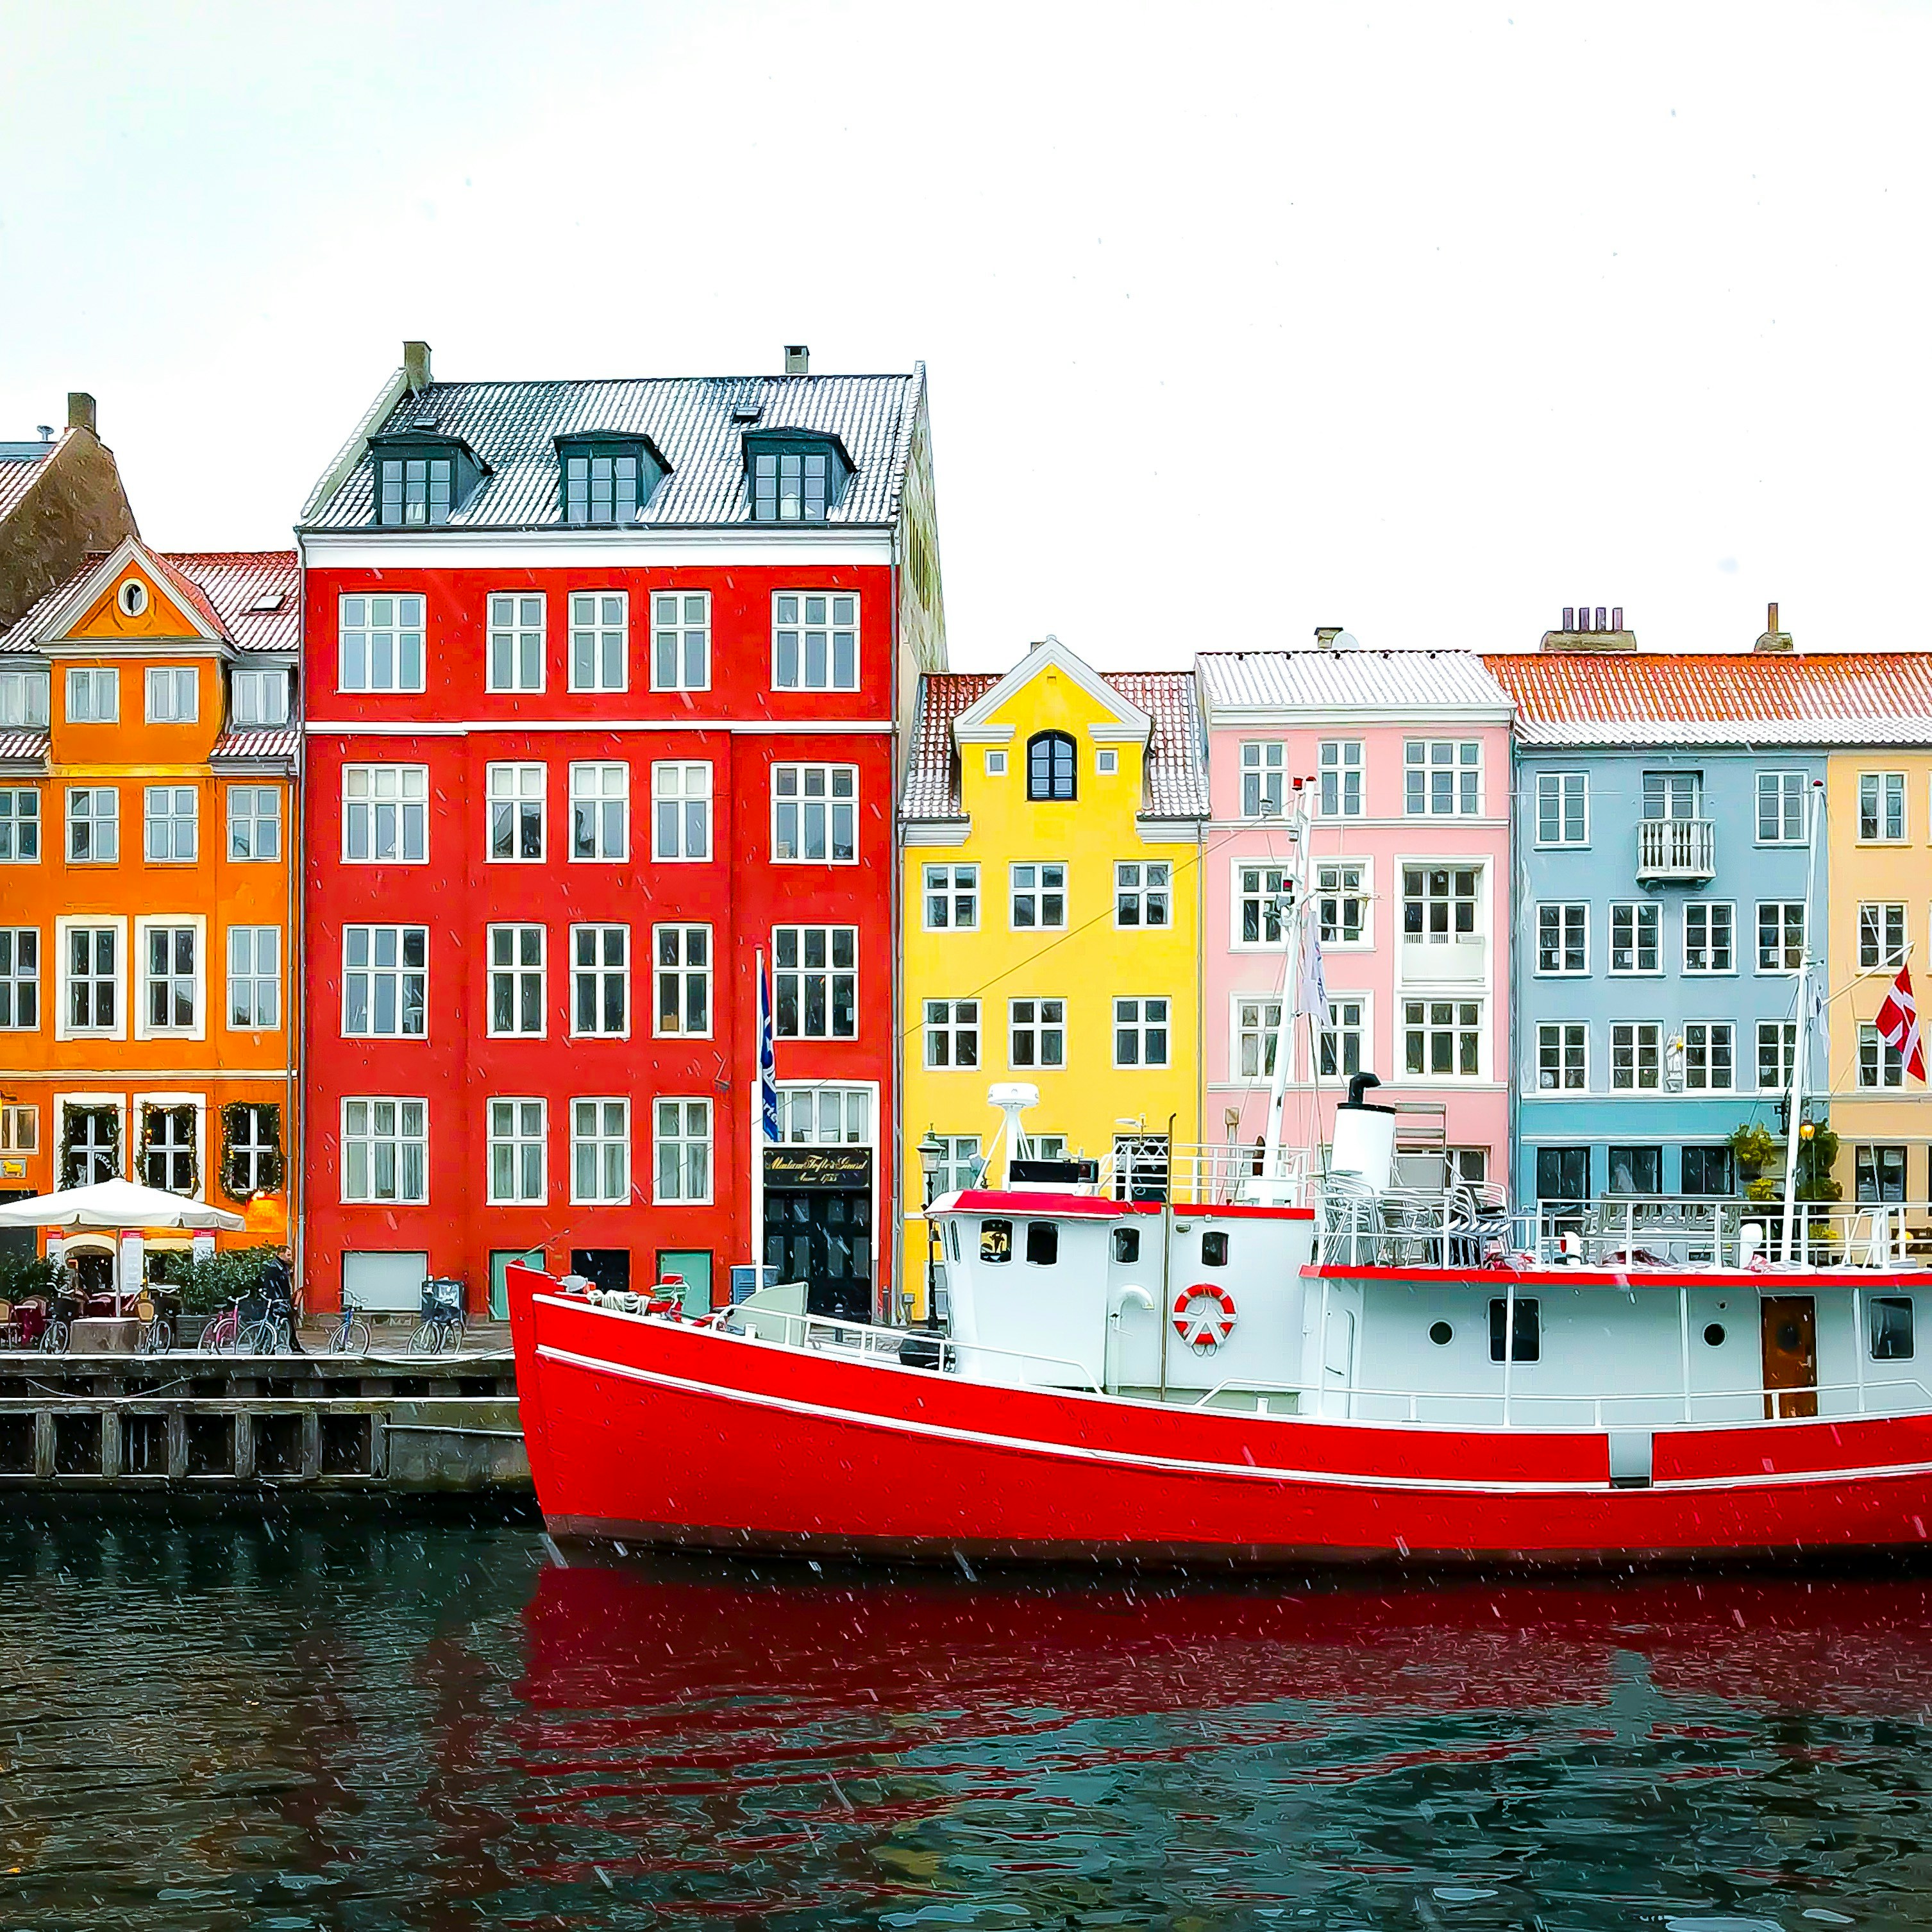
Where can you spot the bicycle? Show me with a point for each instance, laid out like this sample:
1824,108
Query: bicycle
219,1336
270,1336
157,1333
441,1325
352,1336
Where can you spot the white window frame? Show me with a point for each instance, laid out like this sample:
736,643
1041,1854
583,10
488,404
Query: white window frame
1264,778
601,619
1784,1040
257,698
94,820
600,1140
688,1117
1107,762
1884,1062
953,885
821,1114
801,628
681,798
1263,898
409,801
172,818
375,971
595,790
1640,1037
14,982
1350,1020
800,974
64,925
517,1125
672,966
512,625
1332,888
1342,777
1452,900
1880,955
20,823
397,1135
1134,884
26,700
1142,1024
1637,910
1710,908
246,819
1254,1022
1465,772
1035,890
1455,1027
951,1022
249,972
996,764
1783,909
1712,1029
1775,788
93,694
519,972
1885,786
1035,1024
679,628
172,695
1573,924
19,1128
1563,1051
800,804
397,616
602,971
1558,787
145,928
511,789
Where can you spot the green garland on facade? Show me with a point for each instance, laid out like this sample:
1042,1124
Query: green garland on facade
271,1168
71,1120
152,1116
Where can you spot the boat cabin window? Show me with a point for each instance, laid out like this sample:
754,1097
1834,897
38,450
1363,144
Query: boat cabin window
1891,1327
1126,1244
952,1229
1526,1346
1042,1243
1214,1249
996,1241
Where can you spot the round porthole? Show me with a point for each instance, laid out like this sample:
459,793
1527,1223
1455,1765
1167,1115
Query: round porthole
1440,1334
133,597
1714,1334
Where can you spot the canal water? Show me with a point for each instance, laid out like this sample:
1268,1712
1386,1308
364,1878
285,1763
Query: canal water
384,1724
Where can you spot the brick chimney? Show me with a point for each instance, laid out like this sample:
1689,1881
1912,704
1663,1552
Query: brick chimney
415,366
1325,635
80,411
1583,629
1773,640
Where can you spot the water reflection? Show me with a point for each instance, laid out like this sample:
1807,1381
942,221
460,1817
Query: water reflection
385,1725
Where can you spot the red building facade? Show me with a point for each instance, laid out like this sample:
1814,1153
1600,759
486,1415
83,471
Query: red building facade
606,685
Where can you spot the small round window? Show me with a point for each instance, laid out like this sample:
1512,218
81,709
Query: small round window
133,597
1440,1334
1714,1334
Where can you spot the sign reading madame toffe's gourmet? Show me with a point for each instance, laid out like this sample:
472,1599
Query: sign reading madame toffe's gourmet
818,1167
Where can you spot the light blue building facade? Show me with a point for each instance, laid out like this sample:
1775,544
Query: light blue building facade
1660,909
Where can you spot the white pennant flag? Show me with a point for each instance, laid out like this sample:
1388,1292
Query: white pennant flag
1313,997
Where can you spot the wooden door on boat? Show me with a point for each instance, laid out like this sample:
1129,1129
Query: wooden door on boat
1790,1323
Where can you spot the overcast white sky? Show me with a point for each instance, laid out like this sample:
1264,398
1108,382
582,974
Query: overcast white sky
1422,320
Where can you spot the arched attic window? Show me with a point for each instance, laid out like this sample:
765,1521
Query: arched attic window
1050,765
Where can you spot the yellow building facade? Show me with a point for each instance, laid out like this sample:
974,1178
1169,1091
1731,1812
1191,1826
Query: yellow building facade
1051,830
1877,897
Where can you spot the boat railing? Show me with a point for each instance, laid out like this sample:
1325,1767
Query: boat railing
1363,1226
1701,1230
1205,1174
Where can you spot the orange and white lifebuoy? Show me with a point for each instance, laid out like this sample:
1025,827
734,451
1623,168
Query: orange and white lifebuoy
1203,1316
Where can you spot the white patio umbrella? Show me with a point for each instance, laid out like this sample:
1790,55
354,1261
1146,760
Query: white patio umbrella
115,1204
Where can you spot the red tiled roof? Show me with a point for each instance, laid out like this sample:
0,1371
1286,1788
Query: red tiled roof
222,586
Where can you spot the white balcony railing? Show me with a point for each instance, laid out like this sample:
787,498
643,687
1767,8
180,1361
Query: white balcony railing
1676,848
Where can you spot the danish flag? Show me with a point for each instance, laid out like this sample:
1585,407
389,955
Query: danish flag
1898,1024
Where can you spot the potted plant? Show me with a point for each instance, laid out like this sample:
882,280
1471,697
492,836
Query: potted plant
211,1283
1754,1147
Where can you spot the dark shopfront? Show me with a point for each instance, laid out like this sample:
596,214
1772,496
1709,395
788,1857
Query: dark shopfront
818,1226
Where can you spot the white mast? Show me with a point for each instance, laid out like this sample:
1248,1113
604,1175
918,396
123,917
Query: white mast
1803,1040
1294,884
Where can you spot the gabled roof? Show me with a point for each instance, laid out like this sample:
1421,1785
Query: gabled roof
1050,654
1177,773
699,422
1865,698
1405,682
255,744
219,588
18,476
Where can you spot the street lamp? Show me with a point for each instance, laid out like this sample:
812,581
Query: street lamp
931,1156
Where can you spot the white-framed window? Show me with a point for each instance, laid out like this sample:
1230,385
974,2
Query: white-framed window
1260,895
1342,902
386,1151
385,814
174,695
1341,1047
1442,1040
516,804
952,1030
517,640
1878,1174
254,978
952,894
1780,935
19,1129
1777,1054
93,694
815,982
600,1152
600,812
1264,769
24,698
1141,1032
600,981
170,976
93,825
1036,1034
1677,796
1339,763
1881,935
1438,902
254,822
681,640
91,961
19,825
1442,778
1143,890
384,981
815,640
1107,762
680,810
1563,1057
168,1149
683,976
815,814
1636,937
600,640
1468,1166
1562,808
825,1116
1038,897
1636,1056
516,968
1780,809
518,1152
1881,808
168,821
1710,1057
681,1148
959,1165
20,979
93,1150
1257,1030
1709,937
380,644
996,764
1880,1063
1563,937
258,697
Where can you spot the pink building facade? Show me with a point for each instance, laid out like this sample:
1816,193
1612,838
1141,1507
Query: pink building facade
1408,754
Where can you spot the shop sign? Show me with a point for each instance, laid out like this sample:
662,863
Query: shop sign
818,1167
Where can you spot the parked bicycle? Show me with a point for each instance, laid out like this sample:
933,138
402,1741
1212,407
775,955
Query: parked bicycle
157,1333
269,1334
219,1337
440,1326
352,1336
62,1313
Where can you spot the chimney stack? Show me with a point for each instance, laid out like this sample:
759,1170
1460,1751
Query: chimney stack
1584,628
80,411
798,359
1325,635
1773,640
415,366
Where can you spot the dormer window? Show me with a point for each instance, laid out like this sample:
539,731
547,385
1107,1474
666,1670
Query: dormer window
1050,765
796,478
608,479
421,480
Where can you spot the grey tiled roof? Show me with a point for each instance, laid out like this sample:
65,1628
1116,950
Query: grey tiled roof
512,428
1350,680
1176,772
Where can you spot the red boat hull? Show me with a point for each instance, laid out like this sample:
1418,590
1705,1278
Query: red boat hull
667,1432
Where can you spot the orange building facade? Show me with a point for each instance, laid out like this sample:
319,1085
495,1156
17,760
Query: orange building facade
147,815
